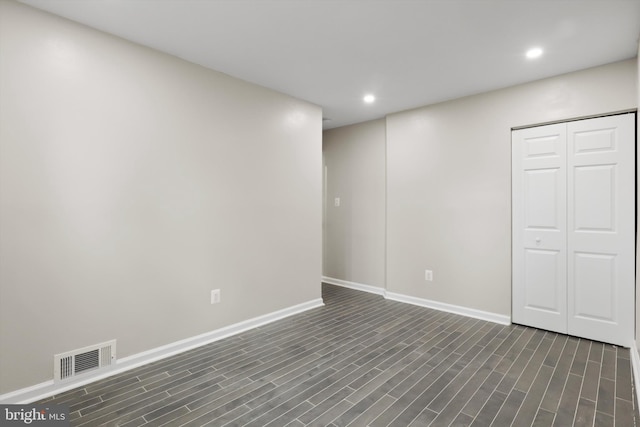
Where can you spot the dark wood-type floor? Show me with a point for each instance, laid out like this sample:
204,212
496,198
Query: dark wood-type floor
365,361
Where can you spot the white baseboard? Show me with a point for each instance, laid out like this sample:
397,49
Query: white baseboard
353,285
50,388
450,308
635,368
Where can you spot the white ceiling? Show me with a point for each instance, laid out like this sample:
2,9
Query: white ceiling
407,53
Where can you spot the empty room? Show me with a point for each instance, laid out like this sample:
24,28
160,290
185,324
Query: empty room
319,213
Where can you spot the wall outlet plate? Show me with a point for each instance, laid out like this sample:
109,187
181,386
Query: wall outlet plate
428,275
215,296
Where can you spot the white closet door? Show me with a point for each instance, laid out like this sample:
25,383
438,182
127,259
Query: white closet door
601,228
540,227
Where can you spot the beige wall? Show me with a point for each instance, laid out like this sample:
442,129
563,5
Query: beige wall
131,184
354,240
449,182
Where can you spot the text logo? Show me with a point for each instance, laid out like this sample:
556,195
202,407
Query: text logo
34,415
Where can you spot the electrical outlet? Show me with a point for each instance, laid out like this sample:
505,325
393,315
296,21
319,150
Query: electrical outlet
336,202
215,296
428,275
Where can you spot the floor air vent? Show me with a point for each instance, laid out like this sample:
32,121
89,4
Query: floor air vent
72,363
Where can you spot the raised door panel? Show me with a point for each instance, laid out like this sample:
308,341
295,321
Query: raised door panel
595,297
594,196
543,281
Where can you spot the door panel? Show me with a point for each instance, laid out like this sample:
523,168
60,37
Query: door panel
594,287
543,280
539,227
594,193
595,140
541,210
601,228
548,145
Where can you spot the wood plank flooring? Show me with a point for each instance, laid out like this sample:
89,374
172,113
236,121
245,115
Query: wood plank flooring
365,361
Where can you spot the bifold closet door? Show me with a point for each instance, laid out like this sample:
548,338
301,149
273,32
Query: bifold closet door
601,224
540,227
574,228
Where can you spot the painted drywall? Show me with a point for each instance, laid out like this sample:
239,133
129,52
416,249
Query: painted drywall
449,182
354,232
132,183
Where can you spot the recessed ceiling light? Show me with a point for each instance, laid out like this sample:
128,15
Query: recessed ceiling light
534,52
369,99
